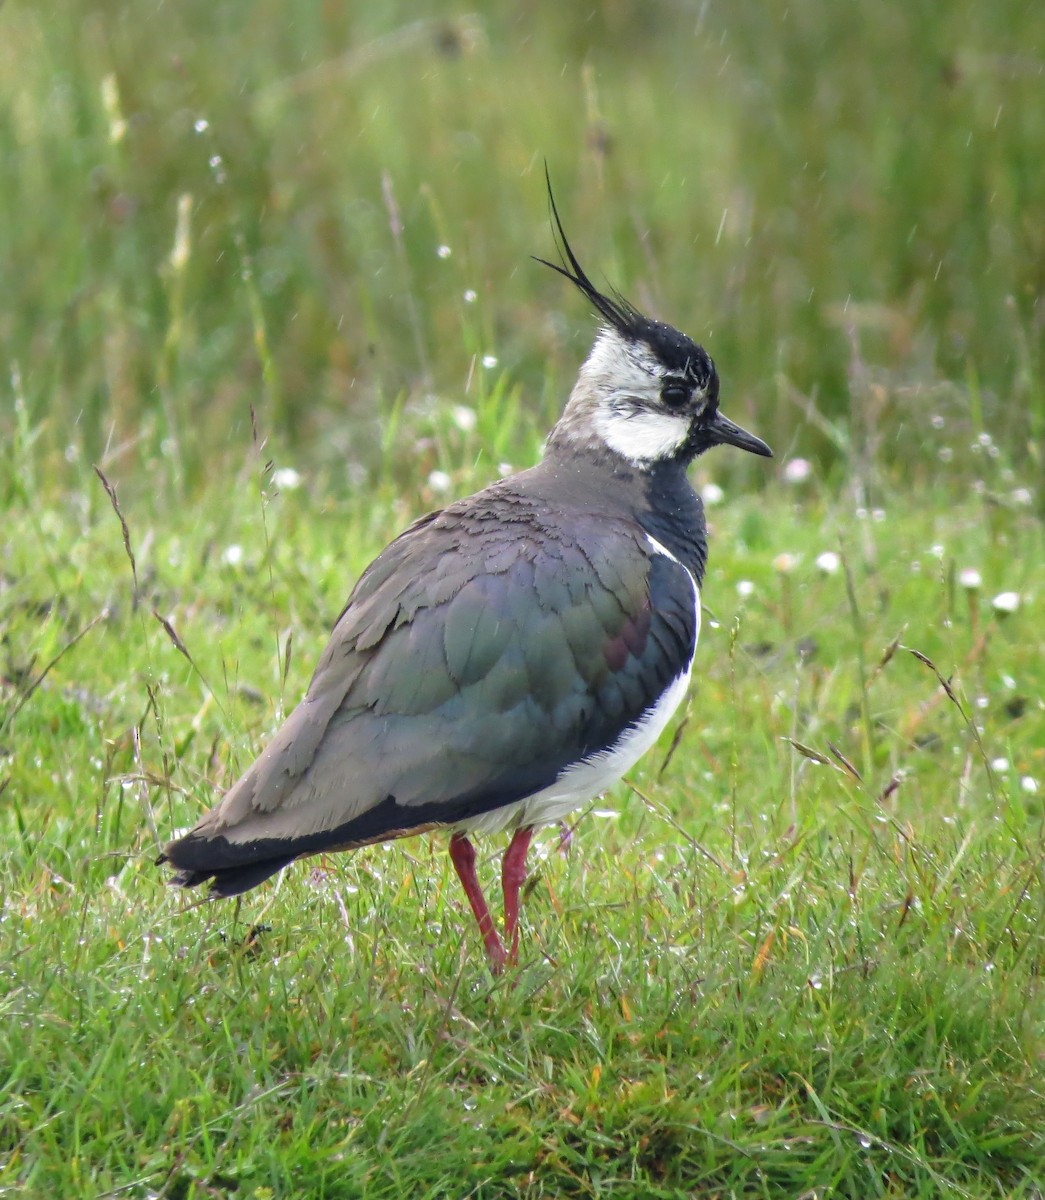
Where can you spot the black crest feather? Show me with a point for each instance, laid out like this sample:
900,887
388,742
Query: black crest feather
621,314
674,349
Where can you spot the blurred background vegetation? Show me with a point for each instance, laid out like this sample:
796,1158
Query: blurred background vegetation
326,211
249,248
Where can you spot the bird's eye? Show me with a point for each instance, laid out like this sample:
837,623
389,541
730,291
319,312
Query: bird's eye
675,395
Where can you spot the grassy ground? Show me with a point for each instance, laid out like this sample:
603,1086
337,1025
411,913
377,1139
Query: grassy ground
800,952
806,966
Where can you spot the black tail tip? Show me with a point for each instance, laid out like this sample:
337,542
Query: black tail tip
226,881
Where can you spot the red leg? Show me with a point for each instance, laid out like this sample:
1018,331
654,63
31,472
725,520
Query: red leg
513,875
462,855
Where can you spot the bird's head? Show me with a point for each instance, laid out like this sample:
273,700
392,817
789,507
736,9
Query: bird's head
646,391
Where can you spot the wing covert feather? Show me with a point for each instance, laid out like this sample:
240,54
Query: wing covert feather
458,681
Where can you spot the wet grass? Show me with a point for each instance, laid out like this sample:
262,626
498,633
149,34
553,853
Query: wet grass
802,957
799,953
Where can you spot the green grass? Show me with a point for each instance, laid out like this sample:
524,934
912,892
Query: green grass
804,958
774,979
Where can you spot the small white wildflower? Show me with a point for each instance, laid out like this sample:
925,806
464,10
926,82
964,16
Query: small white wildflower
286,479
504,469
797,470
985,439
232,555
1029,784
712,494
1006,603
945,454
828,562
936,421
1000,764
444,252
936,550
202,125
785,563
878,514
745,588
439,481
1008,681
489,361
470,296
1023,496
464,417
970,579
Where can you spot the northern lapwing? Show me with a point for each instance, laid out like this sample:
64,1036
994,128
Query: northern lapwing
507,658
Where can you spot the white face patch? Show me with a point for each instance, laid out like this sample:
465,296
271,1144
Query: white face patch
620,383
640,435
